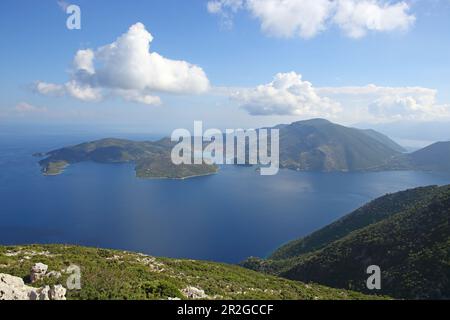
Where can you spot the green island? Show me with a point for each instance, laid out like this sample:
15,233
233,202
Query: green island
151,159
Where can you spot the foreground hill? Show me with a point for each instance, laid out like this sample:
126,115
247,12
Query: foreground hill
152,159
407,234
320,145
110,274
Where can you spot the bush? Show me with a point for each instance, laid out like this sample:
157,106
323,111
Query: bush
160,289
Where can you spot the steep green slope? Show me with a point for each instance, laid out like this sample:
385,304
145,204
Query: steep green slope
112,274
407,234
370,213
319,145
152,159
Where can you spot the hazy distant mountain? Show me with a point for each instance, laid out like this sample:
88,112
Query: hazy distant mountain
407,234
320,145
413,130
435,157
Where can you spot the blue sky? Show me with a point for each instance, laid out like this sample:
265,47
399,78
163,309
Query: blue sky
236,54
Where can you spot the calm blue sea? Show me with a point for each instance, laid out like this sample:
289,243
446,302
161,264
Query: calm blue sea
226,217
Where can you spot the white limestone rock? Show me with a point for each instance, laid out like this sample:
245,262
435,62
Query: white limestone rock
38,272
194,293
14,288
58,292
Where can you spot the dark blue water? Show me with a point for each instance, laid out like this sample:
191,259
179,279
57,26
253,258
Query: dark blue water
226,217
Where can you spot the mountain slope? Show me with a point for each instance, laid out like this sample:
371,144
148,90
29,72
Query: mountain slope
435,157
319,145
407,234
384,139
376,210
113,274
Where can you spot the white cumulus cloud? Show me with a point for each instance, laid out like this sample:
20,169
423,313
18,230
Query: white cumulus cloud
400,107
289,18
383,104
307,18
82,91
356,18
129,69
287,94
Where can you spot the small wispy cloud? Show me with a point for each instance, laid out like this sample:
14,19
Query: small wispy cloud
63,4
25,107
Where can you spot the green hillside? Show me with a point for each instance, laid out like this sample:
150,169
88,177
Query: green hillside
370,213
407,234
112,274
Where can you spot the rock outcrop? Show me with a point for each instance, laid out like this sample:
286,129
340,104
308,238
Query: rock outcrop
194,293
58,292
38,272
14,288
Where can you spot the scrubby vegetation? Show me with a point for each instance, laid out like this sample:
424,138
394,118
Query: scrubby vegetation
370,213
112,274
407,234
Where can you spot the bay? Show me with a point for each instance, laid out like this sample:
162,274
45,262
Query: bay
225,217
